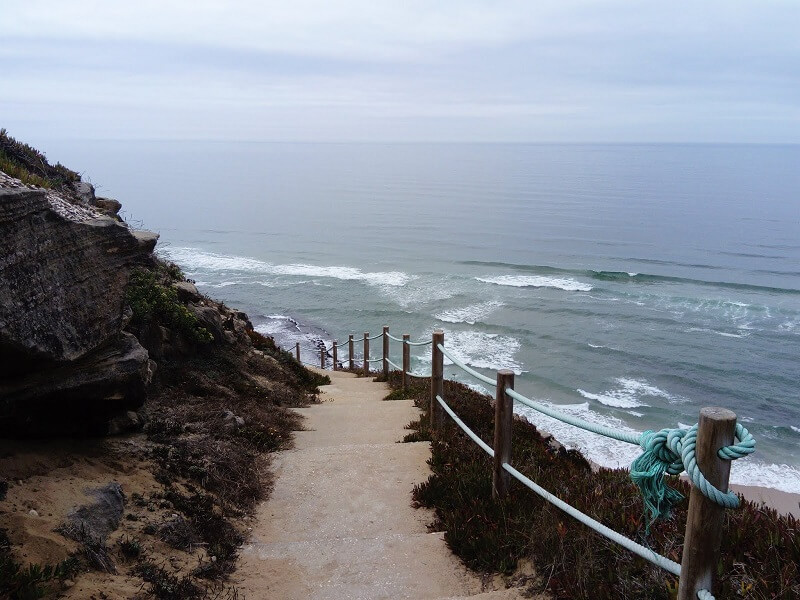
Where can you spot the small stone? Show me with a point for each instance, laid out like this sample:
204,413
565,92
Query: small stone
33,513
68,583
213,558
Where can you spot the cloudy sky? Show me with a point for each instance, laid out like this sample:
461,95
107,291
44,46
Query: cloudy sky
351,70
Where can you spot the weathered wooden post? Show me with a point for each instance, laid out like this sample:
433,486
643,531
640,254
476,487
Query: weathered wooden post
386,351
437,379
503,421
297,351
335,356
366,353
406,359
322,357
701,544
350,351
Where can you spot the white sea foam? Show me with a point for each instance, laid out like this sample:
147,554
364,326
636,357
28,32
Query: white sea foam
797,429
480,350
785,478
629,394
561,283
722,333
469,314
193,260
614,454
602,450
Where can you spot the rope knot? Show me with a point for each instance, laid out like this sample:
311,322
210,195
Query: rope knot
671,451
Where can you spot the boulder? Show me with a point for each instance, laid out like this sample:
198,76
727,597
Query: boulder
210,318
99,518
84,191
108,205
187,292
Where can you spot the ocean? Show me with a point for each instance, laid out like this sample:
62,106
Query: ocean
630,285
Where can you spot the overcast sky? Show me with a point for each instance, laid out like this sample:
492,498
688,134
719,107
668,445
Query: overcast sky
346,70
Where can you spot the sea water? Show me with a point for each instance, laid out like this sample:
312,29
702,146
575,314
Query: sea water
627,285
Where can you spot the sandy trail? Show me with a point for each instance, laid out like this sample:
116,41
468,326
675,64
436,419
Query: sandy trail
339,523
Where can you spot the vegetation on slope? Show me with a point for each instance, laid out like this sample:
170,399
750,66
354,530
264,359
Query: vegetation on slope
30,166
760,550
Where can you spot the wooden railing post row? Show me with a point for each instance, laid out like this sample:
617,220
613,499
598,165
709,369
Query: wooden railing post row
385,350
437,379
406,359
366,353
503,422
335,356
701,544
297,351
322,357
350,351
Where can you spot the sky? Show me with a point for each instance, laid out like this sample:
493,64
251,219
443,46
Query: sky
410,71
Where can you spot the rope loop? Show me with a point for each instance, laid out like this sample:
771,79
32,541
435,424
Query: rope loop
672,451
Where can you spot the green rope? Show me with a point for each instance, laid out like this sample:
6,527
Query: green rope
671,451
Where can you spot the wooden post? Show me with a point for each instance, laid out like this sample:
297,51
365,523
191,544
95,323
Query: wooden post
437,379
297,351
350,351
386,351
406,359
503,420
335,356
322,358
703,537
366,353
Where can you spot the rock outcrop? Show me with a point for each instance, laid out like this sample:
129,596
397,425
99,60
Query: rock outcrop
64,267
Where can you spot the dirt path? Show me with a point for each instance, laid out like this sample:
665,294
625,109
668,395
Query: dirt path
339,523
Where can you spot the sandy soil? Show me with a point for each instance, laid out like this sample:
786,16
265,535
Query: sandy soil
48,480
340,524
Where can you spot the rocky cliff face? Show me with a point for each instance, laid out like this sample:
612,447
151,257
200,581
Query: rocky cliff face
64,268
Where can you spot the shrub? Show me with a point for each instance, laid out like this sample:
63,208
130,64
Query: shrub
151,301
760,549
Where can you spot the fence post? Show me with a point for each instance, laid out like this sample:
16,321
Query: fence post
406,359
503,421
437,379
335,356
386,351
297,351
322,358
701,544
366,353
350,351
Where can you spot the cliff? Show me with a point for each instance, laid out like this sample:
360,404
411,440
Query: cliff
136,414
66,365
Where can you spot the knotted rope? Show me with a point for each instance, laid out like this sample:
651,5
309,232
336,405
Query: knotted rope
671,451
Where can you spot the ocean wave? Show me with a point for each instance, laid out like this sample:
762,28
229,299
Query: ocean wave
635,277
619,455
194,260
797,429
469,314
785,478
480,350
743,334
561,283
629,394
601,450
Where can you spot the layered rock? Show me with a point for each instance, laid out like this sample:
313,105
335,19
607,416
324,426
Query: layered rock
64,267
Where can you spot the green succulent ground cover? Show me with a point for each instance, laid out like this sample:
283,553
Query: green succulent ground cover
760,549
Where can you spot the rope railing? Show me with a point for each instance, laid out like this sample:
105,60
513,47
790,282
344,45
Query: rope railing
707,446
465,368
397,367
646,553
